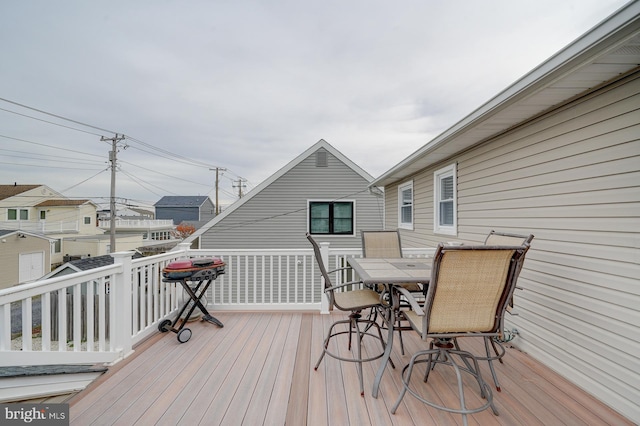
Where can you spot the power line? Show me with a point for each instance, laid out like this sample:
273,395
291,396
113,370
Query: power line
80,183
45,167
153,150
56,116
36,156
49,146
49,122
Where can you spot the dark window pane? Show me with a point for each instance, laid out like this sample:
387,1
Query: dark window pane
446,213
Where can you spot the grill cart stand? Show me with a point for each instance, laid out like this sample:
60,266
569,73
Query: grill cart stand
195,276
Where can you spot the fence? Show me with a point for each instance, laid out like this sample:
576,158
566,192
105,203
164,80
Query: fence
130,299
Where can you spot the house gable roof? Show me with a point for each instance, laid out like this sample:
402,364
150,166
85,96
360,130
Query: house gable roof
610,49
321,144
63,203
181,201
7,232
7,191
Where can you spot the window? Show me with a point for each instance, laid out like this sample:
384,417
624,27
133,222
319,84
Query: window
43,214
405,205
87,220
12,214
445,201
331,217
57,246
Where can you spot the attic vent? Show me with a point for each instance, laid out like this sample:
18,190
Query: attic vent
321,159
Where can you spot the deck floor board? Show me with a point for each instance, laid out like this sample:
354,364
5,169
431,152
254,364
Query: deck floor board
259,369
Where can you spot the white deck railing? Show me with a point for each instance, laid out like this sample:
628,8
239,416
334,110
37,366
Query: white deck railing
137,223
41,226
98,315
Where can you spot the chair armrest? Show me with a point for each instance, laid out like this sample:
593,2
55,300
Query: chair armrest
339,269
335,287
415,306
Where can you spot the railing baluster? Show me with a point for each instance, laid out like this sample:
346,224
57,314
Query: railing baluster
45,322
62,320
102,315
77,317
27,324
5,327
90,318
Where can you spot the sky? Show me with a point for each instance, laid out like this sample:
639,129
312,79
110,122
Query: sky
247,86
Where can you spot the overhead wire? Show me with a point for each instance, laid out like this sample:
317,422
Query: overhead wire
49,122
56,116
154,150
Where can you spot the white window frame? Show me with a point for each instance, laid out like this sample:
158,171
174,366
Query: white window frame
401,188
18,212
438,177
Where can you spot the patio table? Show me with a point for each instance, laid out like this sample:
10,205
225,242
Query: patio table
390,272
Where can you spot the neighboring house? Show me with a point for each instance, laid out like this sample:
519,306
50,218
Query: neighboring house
557,154
185,208
40,209
70,223
320,191
24,256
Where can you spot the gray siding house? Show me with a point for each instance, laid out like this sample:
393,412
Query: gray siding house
320,191
557,154
196,208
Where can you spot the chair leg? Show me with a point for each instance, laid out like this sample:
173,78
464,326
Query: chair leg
353,324
443,353
490,359
326,340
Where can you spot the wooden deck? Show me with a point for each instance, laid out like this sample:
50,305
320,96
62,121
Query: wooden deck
258,370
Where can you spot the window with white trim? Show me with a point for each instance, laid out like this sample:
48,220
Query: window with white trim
405,205
17,214
445,218
331,217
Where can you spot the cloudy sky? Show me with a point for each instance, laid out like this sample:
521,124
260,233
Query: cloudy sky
248,85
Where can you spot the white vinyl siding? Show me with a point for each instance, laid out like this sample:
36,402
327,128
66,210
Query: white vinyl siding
277,216
571,178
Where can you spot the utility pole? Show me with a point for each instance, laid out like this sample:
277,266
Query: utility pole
112,205
218,169
240,185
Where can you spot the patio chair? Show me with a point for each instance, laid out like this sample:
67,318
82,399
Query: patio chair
467,296
386,244
346,298
502,238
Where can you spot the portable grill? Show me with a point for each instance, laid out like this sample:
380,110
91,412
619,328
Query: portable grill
195,276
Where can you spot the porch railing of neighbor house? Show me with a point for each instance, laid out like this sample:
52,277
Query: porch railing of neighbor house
42,226
99,315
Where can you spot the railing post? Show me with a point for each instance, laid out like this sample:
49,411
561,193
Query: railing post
121,299
184,247
324,300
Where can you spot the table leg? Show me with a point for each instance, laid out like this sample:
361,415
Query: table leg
387,351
